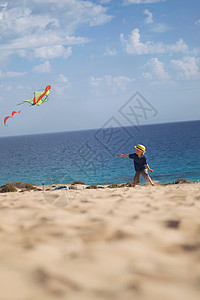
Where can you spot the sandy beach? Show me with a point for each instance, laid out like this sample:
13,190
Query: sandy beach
110,243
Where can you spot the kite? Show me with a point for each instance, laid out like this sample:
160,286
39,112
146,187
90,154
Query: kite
6,118
39,97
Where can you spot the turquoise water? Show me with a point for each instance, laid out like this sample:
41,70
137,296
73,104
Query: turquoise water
92,156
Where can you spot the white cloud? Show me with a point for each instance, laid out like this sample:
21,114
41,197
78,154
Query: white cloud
52,52
147,75
4,5
159,28
43,68
180,46
197,22
20,21
110,82
195,51
44,23
20,87
110,52
105,1
2,8
73,40
100,20
155,70
65,80
188,67
127,2
43,45
4,75
134,46
62,84
154,27
149,18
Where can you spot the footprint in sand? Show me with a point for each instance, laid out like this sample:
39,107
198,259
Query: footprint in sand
173,223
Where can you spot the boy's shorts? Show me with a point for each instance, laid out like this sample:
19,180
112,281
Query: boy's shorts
138,173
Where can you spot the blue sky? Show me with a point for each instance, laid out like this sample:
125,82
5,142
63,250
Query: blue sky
96,55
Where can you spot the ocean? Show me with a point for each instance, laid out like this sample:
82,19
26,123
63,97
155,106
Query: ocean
172,151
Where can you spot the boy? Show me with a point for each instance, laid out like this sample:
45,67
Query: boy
140,164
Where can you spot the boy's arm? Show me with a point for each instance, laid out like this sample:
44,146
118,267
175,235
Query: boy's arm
123,155
147,166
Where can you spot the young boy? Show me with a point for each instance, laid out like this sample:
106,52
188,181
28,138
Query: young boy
140,164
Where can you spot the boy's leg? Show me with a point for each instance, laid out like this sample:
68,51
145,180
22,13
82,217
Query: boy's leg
146,176
151,182
136,179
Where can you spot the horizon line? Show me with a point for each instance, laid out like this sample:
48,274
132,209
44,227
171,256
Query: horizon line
90,129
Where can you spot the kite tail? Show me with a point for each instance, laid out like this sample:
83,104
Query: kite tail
6,118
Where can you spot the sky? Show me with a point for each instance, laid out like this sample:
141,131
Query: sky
98,56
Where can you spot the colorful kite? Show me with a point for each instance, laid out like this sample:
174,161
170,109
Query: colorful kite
6,118
39,97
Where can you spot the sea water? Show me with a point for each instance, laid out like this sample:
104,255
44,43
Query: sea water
92,155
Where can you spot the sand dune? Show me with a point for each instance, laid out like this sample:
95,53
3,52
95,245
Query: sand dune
122,243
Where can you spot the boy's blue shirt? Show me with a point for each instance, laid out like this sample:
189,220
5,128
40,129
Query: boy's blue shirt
139,163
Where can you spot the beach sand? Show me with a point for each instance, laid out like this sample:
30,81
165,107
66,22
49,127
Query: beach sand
120,243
